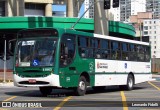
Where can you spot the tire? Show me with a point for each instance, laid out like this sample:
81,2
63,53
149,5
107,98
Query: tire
45,90
130,84
82,87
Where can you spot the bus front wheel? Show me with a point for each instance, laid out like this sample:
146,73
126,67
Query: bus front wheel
45,90
81,89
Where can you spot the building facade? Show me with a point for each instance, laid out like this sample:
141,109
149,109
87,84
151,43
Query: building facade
151,28
130,7
137,21
90,12
26,7
153,6
122,13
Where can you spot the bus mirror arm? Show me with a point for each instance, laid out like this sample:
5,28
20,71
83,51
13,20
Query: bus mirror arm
10,45
10,48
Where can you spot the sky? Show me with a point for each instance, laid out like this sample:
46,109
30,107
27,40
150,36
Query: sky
63,8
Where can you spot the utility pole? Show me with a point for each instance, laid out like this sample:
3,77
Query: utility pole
4,79
100,18
70,10
20,7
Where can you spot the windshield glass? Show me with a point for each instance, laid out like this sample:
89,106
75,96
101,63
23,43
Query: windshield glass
39,52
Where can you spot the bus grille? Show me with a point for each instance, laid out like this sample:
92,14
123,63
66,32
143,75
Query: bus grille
37,82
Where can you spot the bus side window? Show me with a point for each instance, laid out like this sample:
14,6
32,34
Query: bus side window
147,53
105,49
125,51
83,53
83,44
116,52
132,52
97,48
140,53
67,49
92,53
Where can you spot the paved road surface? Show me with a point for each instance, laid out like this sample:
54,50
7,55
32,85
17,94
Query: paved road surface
144,94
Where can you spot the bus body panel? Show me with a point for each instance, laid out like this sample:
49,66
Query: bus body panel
115,66
139,78
70,75
51,80
112,72
119,79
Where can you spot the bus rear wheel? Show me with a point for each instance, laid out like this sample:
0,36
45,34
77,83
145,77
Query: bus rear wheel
130,83
45,90
81,89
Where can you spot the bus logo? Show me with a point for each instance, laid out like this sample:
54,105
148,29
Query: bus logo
125,65
91,66
102,65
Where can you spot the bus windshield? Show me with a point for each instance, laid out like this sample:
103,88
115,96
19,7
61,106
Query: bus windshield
36,52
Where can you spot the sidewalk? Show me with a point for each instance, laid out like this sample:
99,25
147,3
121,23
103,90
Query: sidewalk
8,77
156,75
9,84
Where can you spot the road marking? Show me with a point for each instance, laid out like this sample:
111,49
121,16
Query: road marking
62,103
154,86
16,96
125,107
10,98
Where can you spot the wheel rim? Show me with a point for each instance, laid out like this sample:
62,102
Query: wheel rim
130,82
82,85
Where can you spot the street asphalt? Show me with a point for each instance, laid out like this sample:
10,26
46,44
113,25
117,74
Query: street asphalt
144,96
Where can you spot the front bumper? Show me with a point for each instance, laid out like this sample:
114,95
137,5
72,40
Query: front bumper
51,80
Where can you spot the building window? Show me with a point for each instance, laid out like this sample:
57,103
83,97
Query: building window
34,6
150,27
154,47
145,27
150,22
150,32
150,42
150,37
145,32
154,42
154,37
155,32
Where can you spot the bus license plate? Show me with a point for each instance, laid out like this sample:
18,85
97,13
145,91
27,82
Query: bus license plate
32,81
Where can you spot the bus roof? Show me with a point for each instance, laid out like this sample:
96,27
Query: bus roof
120,39
92,35
106,37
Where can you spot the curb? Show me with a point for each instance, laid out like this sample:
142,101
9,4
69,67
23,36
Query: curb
7,84
7,80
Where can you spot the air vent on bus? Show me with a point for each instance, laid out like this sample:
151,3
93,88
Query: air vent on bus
32,71
37,82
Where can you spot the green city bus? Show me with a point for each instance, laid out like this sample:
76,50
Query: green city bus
51,58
